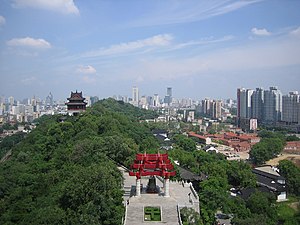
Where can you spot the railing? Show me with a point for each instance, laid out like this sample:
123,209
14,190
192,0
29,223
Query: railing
125,216
179,216
161,179
194,192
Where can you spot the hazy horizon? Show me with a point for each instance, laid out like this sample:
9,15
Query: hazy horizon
104,48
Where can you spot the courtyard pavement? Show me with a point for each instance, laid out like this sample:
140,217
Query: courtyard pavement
180,195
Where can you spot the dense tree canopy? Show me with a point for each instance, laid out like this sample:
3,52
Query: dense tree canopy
64,172
292,176
184,142
270,146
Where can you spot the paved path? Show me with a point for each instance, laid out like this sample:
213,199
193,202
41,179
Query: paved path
179,195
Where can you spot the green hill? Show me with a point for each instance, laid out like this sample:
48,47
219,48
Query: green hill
62,172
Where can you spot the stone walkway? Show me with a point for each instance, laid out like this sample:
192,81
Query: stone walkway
179,195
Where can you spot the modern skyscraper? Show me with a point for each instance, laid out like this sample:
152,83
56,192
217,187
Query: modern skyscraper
168,97
156,100
241,103
272,105
11,100
249,93
169,91
49,100
257,104
291,107
206,106
216,109
135,96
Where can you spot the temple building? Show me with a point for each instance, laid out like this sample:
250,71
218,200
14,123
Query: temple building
76,103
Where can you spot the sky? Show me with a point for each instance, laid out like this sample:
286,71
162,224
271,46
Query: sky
199,48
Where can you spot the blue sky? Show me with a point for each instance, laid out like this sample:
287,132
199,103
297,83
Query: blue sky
200,48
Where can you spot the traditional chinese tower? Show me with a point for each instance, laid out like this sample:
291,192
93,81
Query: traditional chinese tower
76,103
152,165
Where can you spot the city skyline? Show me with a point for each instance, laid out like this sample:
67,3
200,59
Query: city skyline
130,92
198,48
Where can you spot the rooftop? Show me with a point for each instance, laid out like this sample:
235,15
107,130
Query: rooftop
268,169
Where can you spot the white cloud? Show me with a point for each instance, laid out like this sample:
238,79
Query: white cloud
28,80
276,54
29,42
63,6
296,32
2,20
155,41
174,12
86,69
260,32
204,41
88,80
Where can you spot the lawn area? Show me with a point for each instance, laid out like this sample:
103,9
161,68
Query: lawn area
288,210
152,213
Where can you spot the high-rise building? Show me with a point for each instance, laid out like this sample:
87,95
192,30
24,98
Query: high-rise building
49,100
169,91
249,93
143,102
291,107
11,100
156,100
241,103
257,104
216,109
135,96
168,97
272,105
206,106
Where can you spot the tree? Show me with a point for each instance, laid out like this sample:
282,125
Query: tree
185,143
292,175
240,175
269,147
292,138
190,217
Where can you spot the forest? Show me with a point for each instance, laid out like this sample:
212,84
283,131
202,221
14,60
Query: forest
64,171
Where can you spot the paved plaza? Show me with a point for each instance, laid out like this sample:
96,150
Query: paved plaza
180,195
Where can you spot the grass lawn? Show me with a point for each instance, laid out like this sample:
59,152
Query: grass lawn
152,213
287,210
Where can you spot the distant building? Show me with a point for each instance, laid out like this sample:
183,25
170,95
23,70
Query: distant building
241,103
49,100
272,105
135,96
253,124
94,99
212,108
216,109
200,138
156,101
291,107
257,103
244,103
168,97
11,100
206,106
76,103
292,147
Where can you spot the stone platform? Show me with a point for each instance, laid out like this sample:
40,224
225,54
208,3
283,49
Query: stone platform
181,195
